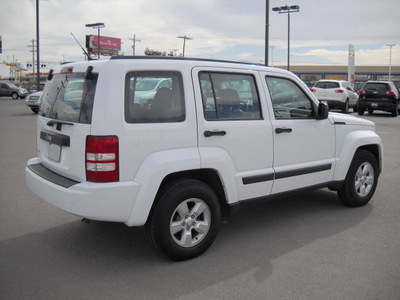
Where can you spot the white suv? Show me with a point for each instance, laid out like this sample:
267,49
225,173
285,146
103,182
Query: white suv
214,134
337,93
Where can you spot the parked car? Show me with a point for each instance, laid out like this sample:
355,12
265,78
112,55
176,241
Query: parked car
219,134
8,89
337,93
33,101
34,89
379,95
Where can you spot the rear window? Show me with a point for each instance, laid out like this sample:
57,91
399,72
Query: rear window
69,97
376,87
327,85
154,97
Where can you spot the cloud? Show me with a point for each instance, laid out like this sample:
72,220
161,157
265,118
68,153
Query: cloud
320,32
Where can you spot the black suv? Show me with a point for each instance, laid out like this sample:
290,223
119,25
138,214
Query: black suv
379,95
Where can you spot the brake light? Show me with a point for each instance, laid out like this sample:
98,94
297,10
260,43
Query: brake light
390,93
339,91
313,90
362,92
66,70
102,158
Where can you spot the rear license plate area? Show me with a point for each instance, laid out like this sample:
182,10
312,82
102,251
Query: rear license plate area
54,152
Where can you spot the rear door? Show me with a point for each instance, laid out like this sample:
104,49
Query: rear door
65,121
233,135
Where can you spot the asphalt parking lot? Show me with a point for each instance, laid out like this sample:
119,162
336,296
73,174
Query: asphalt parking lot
307,246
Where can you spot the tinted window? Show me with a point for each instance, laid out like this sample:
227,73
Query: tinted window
327,85
376,87
154,97
288,100
69,97
229,96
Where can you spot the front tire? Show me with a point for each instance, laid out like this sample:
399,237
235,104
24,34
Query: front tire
14,96
361,180
185,220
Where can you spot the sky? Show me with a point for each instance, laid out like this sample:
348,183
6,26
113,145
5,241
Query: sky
222,29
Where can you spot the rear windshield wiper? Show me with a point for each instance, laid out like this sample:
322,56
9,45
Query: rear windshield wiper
59,123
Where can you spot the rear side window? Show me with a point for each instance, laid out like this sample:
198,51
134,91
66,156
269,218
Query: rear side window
229,96
327,85
154,97
69,97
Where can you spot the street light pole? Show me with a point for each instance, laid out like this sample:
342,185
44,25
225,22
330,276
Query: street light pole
287,10
390,60
37,47
266,31
98,26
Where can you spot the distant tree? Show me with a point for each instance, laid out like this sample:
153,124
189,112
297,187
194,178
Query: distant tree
159,53
154,52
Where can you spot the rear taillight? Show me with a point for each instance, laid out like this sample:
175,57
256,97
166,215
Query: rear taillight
102,158
339,91
313,90
390,93
361,92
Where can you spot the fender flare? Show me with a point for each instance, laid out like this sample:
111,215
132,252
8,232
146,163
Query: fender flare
352,142
159,165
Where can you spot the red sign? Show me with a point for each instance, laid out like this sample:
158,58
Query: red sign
106,42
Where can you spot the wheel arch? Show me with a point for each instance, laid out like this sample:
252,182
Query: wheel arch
208,176
354,142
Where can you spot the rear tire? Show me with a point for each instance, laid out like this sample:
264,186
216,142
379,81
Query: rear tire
185,220
361,180
395,112
345,109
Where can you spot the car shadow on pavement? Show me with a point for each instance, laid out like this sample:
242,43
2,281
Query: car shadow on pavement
78,259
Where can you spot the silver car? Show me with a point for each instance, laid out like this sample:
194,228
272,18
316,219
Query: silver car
7,89
33,101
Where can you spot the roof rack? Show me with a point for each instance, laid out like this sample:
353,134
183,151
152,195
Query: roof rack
184,58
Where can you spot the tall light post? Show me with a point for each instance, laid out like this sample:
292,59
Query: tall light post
37,47
266,31
287,10
390,60
98,26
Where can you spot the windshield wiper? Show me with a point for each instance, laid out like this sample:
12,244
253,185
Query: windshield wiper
59,124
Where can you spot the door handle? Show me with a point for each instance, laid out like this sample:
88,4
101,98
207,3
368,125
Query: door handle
209,133
281,130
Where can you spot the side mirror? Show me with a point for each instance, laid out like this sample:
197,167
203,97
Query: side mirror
50,75
323,111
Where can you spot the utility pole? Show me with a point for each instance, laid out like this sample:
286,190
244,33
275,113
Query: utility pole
184,43
134,40
33,58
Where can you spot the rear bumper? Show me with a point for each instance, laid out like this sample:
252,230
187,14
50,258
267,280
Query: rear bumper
335,103
96,201
377,104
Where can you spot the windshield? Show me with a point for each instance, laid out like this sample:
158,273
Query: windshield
69,97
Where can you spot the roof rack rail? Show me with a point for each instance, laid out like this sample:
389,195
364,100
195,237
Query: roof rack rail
183,58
